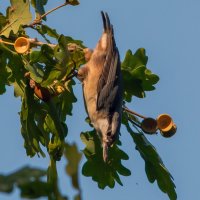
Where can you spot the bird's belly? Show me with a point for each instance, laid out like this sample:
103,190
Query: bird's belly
90,97
98,118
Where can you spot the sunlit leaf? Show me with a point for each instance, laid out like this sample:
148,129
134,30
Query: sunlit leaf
3,21
17,14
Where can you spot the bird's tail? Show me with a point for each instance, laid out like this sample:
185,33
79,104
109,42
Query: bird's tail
105,151
106,22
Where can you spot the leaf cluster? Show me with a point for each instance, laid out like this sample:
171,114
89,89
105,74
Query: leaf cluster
137,77
105,174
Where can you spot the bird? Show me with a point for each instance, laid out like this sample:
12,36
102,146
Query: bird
101,79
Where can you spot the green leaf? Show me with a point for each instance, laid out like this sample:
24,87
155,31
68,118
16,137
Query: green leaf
36,71
70,40
35,189
136,77
44,62
13,72
155,169
52,175
18,14
60,129
52,178
56,148
44,29
30,131
20,177
105,174
66,100
18,89
133,61
61,55
45,55
4,73
3,21
77,57
73,157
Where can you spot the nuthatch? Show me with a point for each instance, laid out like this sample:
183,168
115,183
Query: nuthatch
102,87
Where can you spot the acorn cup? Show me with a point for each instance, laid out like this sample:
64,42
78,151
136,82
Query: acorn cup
22,45
166,125
149,125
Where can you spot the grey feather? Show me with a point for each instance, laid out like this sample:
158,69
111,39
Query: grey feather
110,79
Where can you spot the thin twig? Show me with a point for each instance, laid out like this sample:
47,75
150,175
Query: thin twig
136,126
45,38
38,43
9,43
38,21
134,113
133,122
50,11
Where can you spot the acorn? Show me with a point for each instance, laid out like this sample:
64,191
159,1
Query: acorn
149,125
166,125
60,89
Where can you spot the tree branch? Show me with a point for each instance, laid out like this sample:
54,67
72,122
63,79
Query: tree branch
38,21
52,10
133,113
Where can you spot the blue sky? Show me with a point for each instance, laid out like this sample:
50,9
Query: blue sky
170,33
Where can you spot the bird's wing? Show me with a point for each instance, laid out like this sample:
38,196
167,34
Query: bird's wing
109,82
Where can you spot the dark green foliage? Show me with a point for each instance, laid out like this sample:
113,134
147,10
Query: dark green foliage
136,77
105,174
30,131
154,166
28,180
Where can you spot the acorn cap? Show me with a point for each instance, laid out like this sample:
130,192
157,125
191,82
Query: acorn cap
22,45
149,125
165,122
